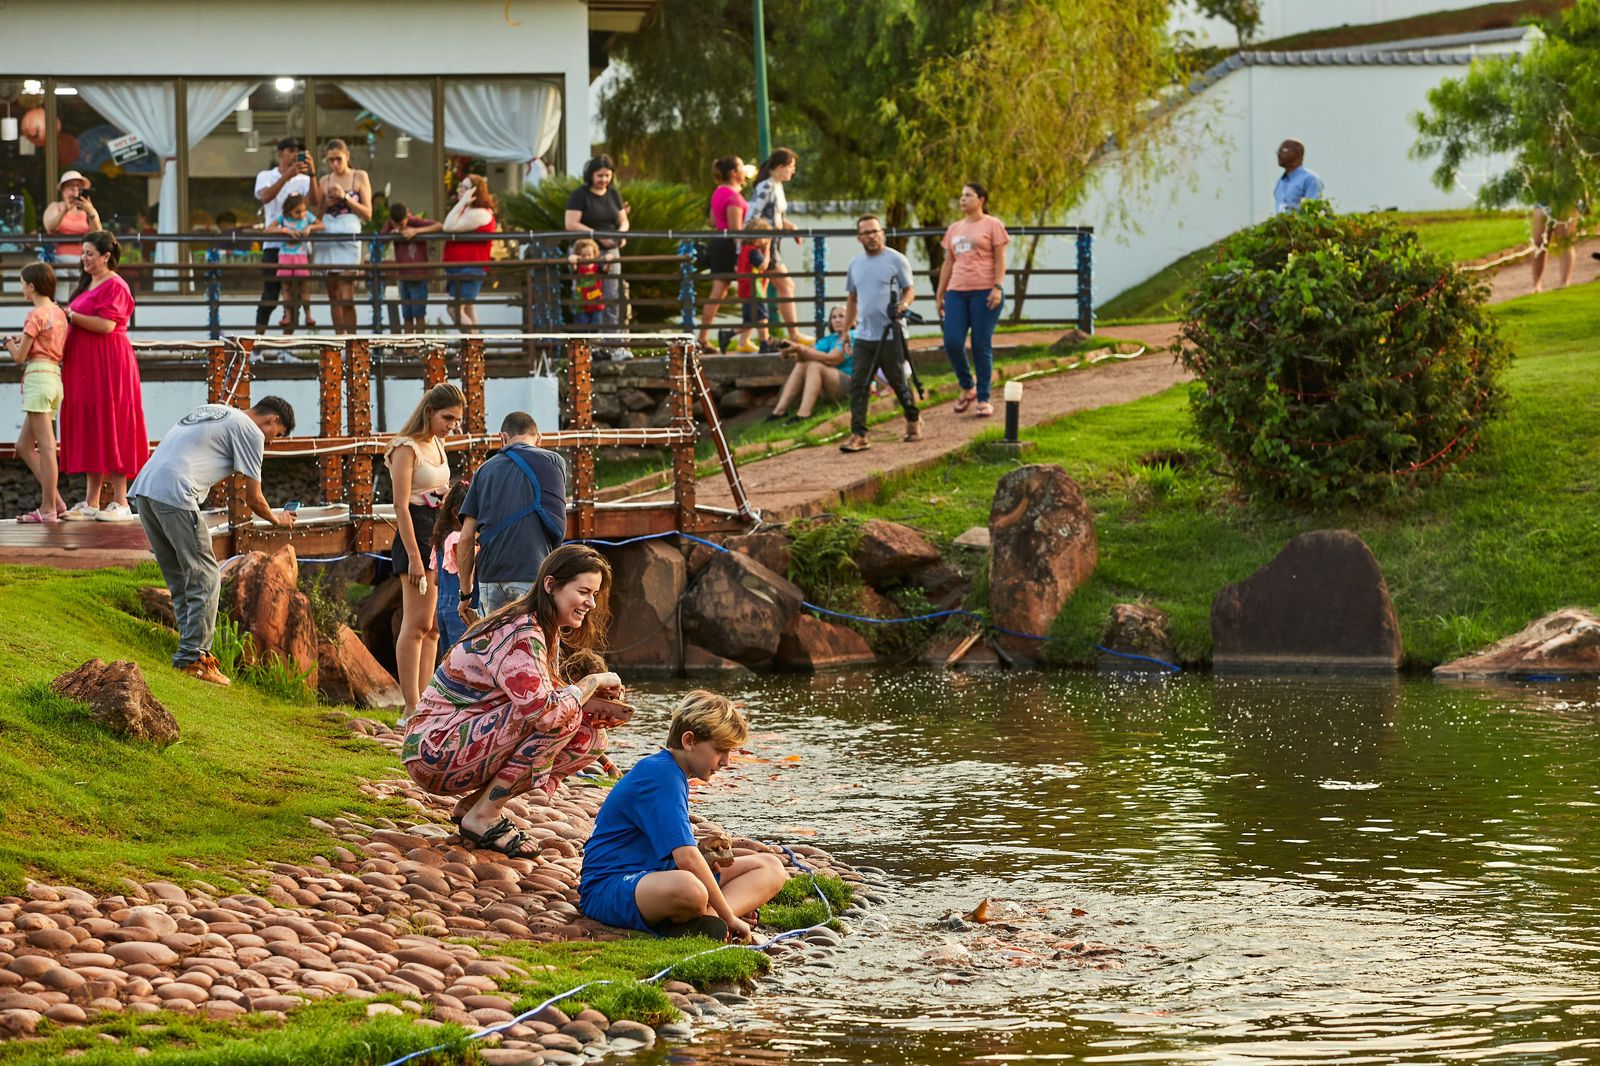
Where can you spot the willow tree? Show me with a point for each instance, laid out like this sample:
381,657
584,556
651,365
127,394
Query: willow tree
1031,106
1541,109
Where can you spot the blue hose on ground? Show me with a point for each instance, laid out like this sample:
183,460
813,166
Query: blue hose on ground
653,978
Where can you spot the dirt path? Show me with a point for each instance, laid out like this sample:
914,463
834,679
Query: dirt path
817,479
1516,279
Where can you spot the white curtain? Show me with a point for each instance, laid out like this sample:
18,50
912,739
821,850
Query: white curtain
149,111
500,121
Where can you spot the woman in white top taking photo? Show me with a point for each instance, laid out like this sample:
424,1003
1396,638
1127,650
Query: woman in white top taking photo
419,470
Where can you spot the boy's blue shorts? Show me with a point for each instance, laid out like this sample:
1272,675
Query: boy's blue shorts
610,899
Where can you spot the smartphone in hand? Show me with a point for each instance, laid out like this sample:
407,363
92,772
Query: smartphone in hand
292,506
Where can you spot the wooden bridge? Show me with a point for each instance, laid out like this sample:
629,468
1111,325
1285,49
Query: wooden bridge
345,447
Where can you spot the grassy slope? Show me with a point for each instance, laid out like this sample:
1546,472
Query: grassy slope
1509,536
81,805
1462,236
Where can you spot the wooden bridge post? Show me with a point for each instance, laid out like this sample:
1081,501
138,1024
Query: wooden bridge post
358,420
580,382
472,386
433,367
236,391
331,404
682,419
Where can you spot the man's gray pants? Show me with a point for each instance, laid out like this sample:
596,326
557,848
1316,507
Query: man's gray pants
181,542
493,595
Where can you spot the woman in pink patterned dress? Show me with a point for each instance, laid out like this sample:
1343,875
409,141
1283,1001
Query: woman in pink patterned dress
496,721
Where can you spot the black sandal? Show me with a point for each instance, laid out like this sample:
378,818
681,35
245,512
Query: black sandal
490,839
707,925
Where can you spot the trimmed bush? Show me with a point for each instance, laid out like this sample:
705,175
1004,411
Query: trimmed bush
1338,359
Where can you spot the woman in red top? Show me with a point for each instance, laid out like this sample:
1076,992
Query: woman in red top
465,261
102,415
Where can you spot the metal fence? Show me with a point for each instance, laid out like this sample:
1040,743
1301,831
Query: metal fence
530,287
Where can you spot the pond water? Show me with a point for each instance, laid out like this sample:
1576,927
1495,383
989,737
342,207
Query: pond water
1287,871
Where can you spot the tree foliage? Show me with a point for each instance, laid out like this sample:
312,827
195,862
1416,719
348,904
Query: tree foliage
1339,360
1243,15
1541,108
871,95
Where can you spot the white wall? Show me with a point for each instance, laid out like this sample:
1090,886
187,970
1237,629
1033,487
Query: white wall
1354,121
1281,18
301,37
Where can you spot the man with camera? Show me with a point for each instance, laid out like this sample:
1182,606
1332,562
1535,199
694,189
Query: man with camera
881,289
291,177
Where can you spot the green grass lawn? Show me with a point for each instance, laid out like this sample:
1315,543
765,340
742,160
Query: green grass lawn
1510,535
1460,236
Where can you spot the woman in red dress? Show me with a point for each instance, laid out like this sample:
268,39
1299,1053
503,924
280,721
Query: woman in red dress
102,414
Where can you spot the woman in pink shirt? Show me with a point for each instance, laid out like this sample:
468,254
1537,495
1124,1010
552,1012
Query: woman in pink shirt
970,294
728,209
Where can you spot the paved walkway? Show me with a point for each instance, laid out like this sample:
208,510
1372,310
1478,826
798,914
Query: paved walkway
817,479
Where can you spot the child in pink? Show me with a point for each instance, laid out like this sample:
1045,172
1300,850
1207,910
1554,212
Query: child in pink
39,349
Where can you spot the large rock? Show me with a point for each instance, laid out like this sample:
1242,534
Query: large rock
946,586
738,609
119,700
697,662
1042,548
809,644
1136,629
156,602
348,674
889,551
377,620
770,548
1320,606
647,583
1565,644
266,600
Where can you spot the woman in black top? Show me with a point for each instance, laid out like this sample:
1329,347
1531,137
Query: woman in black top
596,205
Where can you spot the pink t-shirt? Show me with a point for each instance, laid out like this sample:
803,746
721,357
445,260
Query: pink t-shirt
722,198
47,325
972,247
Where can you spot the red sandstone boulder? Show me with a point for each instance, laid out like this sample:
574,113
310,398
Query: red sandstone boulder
889,551
265,598
946,586
1321,606
119,700
1042,548
1136,629
810,644
1565,643
738,609
770,548
156,603
348,674
647,582
697,662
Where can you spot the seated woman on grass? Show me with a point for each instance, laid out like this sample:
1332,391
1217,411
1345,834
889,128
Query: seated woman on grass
642,868
495,722
821,371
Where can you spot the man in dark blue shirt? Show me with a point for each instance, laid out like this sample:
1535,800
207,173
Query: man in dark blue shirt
514,515
642,868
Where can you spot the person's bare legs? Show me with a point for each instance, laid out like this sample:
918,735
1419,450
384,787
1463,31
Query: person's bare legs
1566,236
469,318
708,316
783,285
791,389
119,488
1541,246
678,895
811,390
418,643
94,485
36,447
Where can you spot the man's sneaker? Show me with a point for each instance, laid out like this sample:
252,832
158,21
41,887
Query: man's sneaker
200,670
81,512
211,661
116,512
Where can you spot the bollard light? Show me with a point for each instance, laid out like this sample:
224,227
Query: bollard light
1013,409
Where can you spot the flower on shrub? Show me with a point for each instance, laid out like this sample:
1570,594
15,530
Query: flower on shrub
1339,360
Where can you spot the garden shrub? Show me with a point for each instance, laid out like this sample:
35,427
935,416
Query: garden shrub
1338,360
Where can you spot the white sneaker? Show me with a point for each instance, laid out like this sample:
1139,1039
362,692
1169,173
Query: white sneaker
117,512
81,512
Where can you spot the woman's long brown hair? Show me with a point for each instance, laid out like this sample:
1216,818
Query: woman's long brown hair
565,564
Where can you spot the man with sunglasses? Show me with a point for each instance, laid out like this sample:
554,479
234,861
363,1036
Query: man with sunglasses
291,177
880,284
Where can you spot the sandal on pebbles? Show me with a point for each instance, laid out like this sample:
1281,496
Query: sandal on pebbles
494,839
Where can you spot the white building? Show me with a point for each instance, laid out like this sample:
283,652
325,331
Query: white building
1285,18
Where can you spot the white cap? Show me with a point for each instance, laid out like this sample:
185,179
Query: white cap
73,175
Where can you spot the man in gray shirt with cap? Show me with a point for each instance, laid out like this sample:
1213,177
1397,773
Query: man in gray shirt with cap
206,445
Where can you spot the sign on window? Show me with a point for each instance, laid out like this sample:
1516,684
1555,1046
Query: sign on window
126,148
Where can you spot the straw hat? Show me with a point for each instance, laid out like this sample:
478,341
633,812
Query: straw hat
73,175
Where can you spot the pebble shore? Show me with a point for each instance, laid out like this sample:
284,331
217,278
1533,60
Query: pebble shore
371,915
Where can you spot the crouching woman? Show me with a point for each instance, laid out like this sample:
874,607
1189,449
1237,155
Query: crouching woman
496,722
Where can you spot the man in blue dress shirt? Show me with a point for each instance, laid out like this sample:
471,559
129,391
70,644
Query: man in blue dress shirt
1297,183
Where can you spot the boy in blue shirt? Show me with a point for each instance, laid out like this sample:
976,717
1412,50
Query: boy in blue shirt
642,868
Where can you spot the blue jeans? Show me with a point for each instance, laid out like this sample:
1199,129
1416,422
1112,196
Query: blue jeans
589,318
968,309
447,611
414,298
